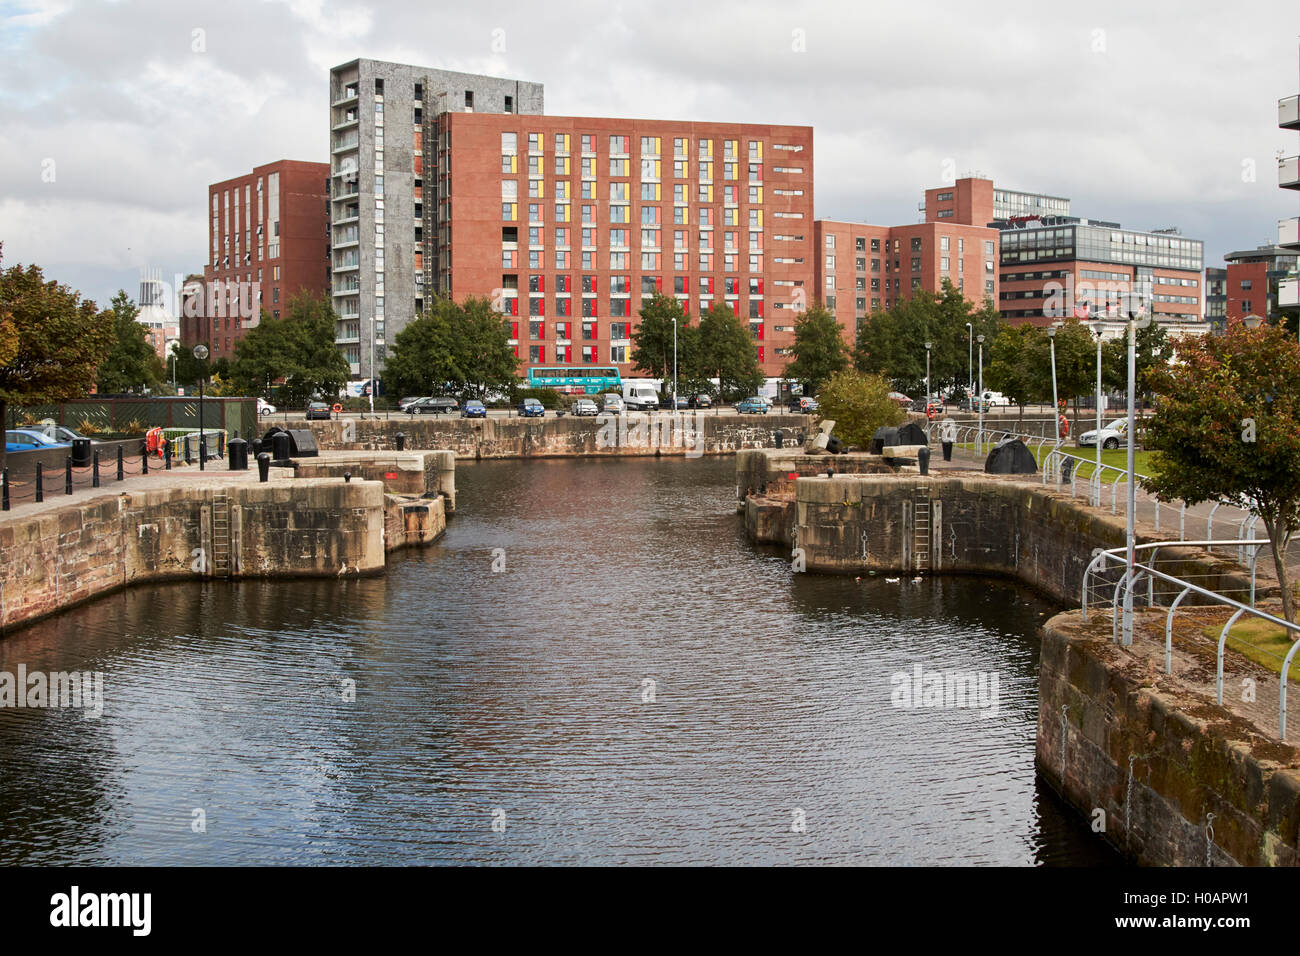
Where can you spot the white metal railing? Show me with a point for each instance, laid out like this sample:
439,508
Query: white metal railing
1126,587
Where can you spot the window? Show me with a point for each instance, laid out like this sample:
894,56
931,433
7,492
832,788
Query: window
469,99
510,104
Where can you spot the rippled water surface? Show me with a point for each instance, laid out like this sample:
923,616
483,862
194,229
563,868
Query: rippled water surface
521,698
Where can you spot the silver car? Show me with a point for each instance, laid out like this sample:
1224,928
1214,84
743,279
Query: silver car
612,404
585,406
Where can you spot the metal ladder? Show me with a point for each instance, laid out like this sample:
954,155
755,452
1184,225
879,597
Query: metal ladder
921,531
220,563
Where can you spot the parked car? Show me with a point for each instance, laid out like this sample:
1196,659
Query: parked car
1112,435
612,404
701,401
474,409
934,409
530,408
972,404
902,399
264,407
435,405
318,411
585,406
754,405
402,403
804,404
667,403
640,395
27,439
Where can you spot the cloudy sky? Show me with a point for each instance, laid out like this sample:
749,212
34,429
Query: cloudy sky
115,115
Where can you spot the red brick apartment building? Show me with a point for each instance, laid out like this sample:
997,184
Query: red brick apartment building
863,269
572,222
1050,263
271,227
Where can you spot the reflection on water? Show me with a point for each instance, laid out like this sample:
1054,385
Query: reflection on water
638,685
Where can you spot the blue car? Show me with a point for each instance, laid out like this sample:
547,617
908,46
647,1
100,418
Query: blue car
473,409
26,439
754,405
531,408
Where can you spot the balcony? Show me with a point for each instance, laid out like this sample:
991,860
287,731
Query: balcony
1288,293
349,119
1288,112
346,143
349,94
1288,172
1288,233
347,338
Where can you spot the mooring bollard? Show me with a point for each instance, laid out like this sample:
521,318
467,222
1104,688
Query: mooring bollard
120,473
40,485
94,469
779,438
67,476
167,457
401,441
237,451
263,467
923,459
4,490
947,451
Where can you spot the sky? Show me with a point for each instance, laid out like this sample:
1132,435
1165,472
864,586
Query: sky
115,115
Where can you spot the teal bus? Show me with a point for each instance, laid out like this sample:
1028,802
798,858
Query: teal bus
576,381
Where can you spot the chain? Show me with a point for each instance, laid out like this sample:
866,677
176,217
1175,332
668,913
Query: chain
1128,794
1209,838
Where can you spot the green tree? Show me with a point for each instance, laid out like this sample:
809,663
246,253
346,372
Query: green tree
819,349
652,342
726,350
1076,362
51,340
298,349
859,403
892,343
1014,366
131,364
1228,426
459,347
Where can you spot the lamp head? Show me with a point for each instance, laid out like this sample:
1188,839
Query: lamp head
200,351
979,339
927,346
1253,321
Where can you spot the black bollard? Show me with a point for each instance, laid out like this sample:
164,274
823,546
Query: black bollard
263,466
67,476
401,441
347,477
94,469
4,490
189,453
40,484
237,452
255,448
144,459
947,451
779,438
120,474
280,446
923,459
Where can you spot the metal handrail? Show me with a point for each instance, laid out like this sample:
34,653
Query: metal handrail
1120,555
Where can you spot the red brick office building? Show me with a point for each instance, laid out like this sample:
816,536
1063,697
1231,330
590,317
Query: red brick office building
269,227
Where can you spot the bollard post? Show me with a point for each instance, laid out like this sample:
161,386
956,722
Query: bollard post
167,457
401,441
40,485
144,459
779,438
947,451
189,454
94,469
67,476
923,459
4,490
120,473
263,466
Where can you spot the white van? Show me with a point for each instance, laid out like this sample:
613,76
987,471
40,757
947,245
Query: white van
640,395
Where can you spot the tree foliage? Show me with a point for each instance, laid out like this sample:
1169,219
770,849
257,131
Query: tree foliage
859,403
726,352
1014,366
298,349
52,340
819,349
131,365
461,348
1228,426
892,343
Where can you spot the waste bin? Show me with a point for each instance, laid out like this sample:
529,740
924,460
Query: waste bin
80,452
237,449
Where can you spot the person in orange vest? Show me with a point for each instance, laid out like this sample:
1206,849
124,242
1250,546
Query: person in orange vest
154,441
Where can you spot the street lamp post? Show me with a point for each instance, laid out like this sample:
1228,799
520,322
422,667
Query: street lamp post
1097,327
674,365
927,373
1056,425
970,355
372,367
201,353
1134,324
979,398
